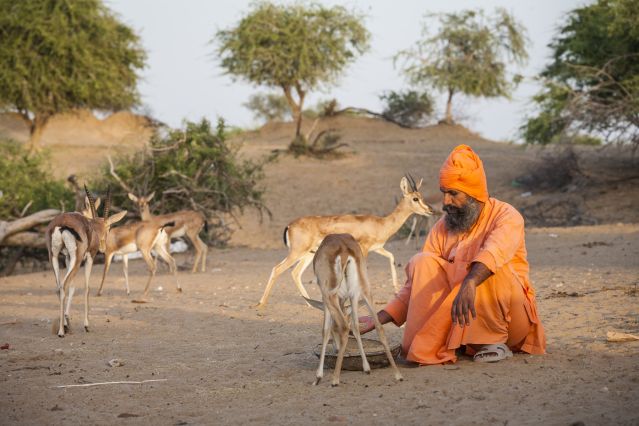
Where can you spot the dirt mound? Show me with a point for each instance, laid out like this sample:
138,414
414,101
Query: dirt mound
83,137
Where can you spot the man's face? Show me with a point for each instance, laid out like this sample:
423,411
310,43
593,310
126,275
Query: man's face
461,209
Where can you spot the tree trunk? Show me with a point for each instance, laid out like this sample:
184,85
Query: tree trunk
26,239
298,125
448,119
36,129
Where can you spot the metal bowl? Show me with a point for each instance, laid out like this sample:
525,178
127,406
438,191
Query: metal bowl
374,350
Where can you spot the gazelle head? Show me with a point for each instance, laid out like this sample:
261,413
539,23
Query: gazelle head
413,198
101,224
142,204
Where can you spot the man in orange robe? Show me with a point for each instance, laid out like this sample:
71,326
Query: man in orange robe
469,285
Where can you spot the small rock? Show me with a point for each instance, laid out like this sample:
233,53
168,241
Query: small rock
55,408
605,389
6,346
115,363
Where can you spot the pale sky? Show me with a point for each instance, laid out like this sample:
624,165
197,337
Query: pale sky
184,81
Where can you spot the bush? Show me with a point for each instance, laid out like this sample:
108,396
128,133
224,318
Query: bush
25,181
410,108
268,107
191,168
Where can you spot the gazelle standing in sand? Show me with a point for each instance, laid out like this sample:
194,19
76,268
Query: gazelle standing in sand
340,269
304,235
78,238
129,238
188,223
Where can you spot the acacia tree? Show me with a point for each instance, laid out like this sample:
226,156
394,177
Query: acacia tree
467,55
56,56
295,48
592,83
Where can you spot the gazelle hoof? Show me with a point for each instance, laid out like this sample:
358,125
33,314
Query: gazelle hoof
179,289
334,385
399,377
86,328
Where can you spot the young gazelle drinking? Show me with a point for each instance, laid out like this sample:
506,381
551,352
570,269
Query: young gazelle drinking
340,268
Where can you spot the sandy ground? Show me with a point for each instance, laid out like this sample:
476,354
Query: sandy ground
224,362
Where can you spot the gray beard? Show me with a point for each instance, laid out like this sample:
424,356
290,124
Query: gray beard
462,219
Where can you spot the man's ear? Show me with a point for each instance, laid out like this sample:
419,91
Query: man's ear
404,185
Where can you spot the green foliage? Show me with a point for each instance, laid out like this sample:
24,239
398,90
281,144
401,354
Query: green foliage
410,108
24,179
468,55
56,56
190,168
268,107
592,83
295,48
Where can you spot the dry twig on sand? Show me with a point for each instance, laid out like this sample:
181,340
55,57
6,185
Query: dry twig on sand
85,385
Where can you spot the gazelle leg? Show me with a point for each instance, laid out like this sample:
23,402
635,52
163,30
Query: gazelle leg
276,272
125,269
355,328
391,258
68,307
107,264
150,263
325,334
161,251
340,327
382,336
299,270
88,264
201,250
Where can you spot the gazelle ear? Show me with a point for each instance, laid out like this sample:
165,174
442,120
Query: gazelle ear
148,197
132,197
116,217
404,185
97,202
419,185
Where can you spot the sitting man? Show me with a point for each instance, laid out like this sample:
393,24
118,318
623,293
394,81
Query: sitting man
469,286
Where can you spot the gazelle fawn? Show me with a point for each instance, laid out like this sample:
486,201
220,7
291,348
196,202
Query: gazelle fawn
304,235
78,238
340,269
188,223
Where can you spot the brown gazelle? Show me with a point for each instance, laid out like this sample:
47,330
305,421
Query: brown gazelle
78,238
129,238
340,269
304,235
188,223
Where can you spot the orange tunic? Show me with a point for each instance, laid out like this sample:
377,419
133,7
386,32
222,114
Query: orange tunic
505,302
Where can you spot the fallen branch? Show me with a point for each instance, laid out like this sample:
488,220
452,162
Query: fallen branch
9,228
25,239
85,385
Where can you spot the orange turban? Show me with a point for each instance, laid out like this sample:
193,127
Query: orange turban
464,171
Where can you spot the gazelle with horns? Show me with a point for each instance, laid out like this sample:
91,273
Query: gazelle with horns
78,238
187,223
304,235
129,238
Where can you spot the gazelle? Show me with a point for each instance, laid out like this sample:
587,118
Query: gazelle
78,238
304,235
340,269
187,222
129,238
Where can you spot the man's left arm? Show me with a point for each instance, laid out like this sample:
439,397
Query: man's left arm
498,249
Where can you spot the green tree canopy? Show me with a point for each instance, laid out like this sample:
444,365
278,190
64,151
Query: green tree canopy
468,55
295,48
592,83
56,56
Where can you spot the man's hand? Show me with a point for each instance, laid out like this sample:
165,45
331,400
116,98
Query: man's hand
366,324
464,304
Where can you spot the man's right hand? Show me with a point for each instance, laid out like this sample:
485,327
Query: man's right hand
366,324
